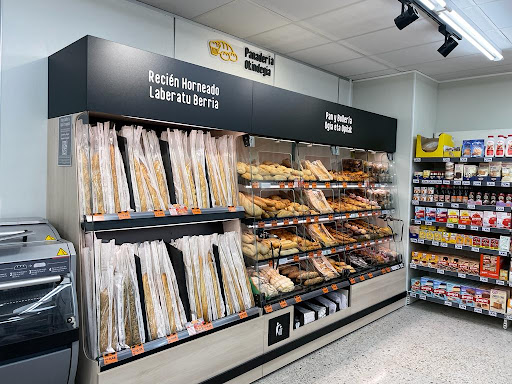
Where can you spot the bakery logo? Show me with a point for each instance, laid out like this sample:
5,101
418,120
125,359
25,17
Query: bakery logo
279,329
338,123
223,50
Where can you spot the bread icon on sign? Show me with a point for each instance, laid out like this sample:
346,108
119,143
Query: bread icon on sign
223,50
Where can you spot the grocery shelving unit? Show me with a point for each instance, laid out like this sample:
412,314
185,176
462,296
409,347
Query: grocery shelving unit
453,248
107,84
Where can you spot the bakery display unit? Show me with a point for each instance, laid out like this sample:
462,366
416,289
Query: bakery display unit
460,230
198,228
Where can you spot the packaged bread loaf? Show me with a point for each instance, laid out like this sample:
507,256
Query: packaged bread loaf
197,155
215,173
156,170
120,189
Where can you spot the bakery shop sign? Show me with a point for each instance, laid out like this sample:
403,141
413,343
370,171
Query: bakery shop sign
258,62
337,123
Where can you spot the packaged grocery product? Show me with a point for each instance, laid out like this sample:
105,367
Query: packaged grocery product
84,176
506,171
430,214
156,169
500,146
330,305
498,301
104,254
453,216
427,286
495,169
503,219
197,155
419,213
477,218
438,236
490,219
453,238
458,171
416,285
465,217
490,265
485,243
467,295
439,290
319,233
459,239
483,170
433,261
476,241
477,148
508,151
453,292
489,146
466,148
316,200
495,243
483,297
216,174
470,170
317,169
119,181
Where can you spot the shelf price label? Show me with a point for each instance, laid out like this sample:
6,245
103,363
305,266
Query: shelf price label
327,184
505,184
123,215
281,184
283,304
487,159
463,159
243,315
334,287
423,297
492,313
268,308
333,250
477,183
319,252
344,184
370,275
434,242
446,159
486,229
500,282
475,249
172,338
290,184
484,279
474,228
313,184
502,253
295,220
298,299
286,221
261,224
444,245
440,271
491,184
500,209
413,266
461,275
448,303
461,226
306,184
325,290
462,306
159,213
273,223
383,271
316,219
196,211
450,225
311,255
331,217
308,219
270,263
137,349
458,246
110,358
352,280
361,278
417,160
478,310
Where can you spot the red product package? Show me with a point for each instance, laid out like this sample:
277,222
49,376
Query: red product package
476,218
477,241
495,243
486,242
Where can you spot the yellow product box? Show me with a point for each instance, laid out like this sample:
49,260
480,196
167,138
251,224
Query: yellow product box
424,259
453,238
446,237
430,235
423,234
415,257
438,236
424,227
468,240
459,239
432,262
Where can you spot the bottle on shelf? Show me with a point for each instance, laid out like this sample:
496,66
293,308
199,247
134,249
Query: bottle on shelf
509,146
489,146
500,146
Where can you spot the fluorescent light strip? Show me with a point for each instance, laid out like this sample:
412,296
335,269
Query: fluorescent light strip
461,26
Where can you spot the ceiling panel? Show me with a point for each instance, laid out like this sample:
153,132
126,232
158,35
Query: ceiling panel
325,54
450,65
500,12
188,9
391,39
288,38
356,19
475,72
301,9
355,67
369,75
242,18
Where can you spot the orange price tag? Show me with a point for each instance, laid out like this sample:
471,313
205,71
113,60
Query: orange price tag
296,258
311,255
261,224
359,185
370,275
306,184
298,299
207,327
344,185
286,221
362,278
331,217
295,220
313,184
196,211
98,217
319,252
123,215
383,270
273,223
290,184
231,209
268,308
334,287
308,219
270,263
327,184
110,358
159,213
347,215
137,349
352,280
325,290
360,214
243,315
281,184
333,250
388,269
316,219
283,304
255,184
172,338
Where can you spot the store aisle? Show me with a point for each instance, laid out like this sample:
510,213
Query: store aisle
421,343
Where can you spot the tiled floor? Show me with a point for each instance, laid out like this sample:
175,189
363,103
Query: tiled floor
421,343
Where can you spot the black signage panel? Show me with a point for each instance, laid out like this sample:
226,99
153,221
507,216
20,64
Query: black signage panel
278,328
284,114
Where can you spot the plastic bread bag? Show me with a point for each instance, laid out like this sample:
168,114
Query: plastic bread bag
83,168
223,160
139,193
147,172
97,188
105,167
146,202
175,309
208,280
198,168
316,200
232,169
157,276
89,287
217,192
119,300
155,175
203,309
177,175
233,241
106,310
119,182
184,245
219,309
189,178
135,322
234,301
320,234
153,311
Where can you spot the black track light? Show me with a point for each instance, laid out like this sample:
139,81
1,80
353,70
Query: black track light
449,42
407,16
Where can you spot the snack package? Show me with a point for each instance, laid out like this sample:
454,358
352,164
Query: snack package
477,148
483,170
430,214
490,219
469,171
465,217
453,216
506,172
495,169
466,148
419,213
477,218
441,215
197,155
503,220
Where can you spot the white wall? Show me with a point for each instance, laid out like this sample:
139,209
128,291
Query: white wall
475,104
31,31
